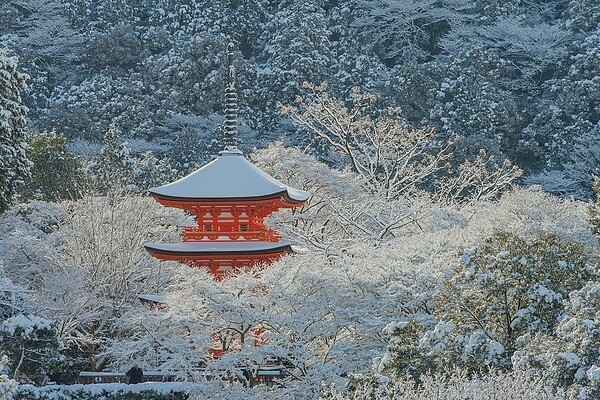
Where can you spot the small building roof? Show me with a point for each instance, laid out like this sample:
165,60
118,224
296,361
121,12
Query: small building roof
229,176
152,298
219,248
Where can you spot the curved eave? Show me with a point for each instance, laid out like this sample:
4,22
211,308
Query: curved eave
284,196
199,249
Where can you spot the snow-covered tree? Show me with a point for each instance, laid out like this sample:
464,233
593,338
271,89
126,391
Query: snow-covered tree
570,357
194,140
12,296
567,112
484,178
114,165
454,384
582,16
151,171
116,168
8,386
297,50
533,49
354,64
393,160
14,165
506,288
579,169
473,108
410,29
594,212
506,291
341,209
85,109
52,43
99,266
414,88
30,342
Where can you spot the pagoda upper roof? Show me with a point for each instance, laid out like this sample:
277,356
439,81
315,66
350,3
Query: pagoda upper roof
219,248
230,176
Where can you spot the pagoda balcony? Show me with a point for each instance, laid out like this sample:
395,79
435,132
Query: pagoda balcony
195,234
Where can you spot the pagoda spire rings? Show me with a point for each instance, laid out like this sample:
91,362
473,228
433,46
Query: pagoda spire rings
231,103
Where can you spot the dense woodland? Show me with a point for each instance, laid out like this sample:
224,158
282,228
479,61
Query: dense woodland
450,147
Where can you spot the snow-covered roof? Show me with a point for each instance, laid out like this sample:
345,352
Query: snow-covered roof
210,247
153,298
229,176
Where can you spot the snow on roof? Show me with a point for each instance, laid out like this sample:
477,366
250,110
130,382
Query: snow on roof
230,175
154,298
248,247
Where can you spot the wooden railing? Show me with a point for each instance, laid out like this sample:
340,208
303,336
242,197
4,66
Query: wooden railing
192,233
88,377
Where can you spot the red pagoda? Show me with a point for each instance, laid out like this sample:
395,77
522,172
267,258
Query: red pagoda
230,198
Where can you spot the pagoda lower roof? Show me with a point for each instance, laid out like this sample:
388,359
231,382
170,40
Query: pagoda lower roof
212,248
229,177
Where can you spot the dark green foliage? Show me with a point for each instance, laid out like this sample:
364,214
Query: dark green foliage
117,168
594,211
56,173
14,165
83,394
514,78
510,286
505,301
31,344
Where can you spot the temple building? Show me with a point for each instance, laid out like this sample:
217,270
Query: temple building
229,198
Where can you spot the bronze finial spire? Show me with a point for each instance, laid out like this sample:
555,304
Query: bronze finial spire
231,106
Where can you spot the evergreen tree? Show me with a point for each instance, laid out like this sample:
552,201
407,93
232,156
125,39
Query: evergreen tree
150,172
471,105
410,29
582,15
297,50
14,165
56,173
31,344
7,386
568,111
354,65
415,89
570,358
506,288
113,167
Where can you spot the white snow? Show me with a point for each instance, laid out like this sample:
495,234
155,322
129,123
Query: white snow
572,359
98,389
503,254
523,261
155,298
494,349
539,292
393,327
27,323
465,258
593,374
230,175
439,337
